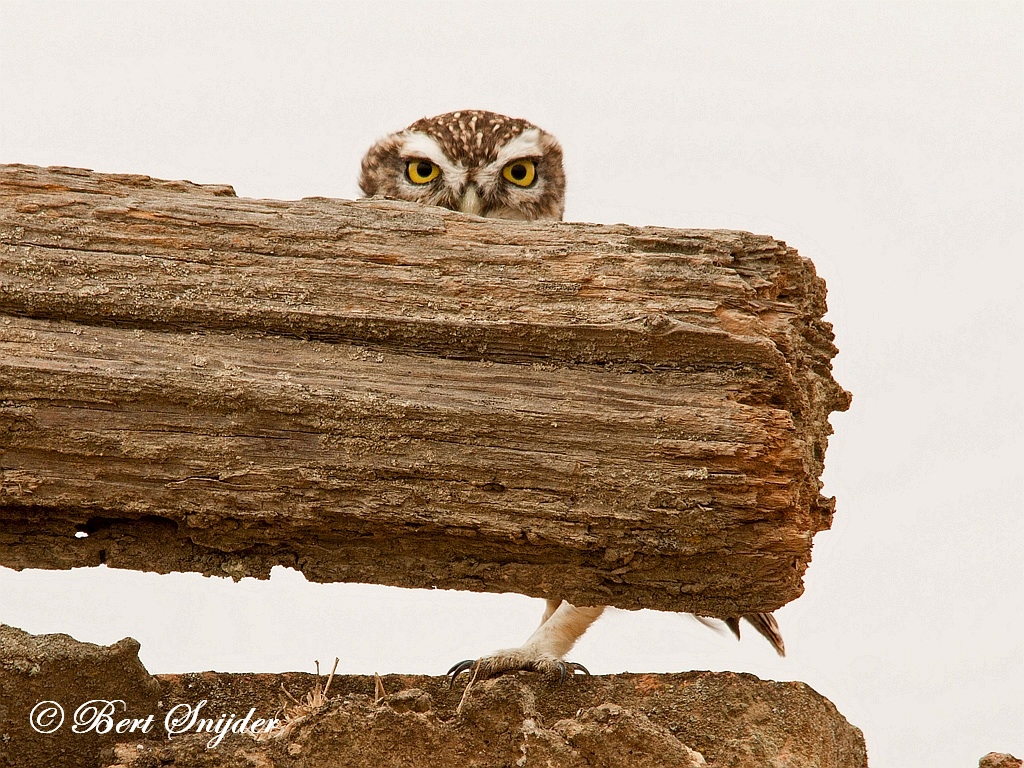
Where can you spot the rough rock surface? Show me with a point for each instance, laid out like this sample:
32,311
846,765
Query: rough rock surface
58,668
689,719
617,720
999,760
629,720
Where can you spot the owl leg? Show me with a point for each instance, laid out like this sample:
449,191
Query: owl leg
560,627
550,607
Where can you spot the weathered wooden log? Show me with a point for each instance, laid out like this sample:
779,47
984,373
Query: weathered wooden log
381,392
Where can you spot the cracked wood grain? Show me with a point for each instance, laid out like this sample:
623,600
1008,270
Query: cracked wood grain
375,391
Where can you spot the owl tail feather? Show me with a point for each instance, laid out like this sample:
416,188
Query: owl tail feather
764,623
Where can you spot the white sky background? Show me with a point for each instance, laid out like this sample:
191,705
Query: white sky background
884,141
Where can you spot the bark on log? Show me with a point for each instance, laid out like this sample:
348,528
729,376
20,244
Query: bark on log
381,392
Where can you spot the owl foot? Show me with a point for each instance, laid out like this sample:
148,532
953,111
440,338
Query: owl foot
515,660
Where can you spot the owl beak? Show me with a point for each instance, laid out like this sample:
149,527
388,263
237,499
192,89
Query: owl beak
471,202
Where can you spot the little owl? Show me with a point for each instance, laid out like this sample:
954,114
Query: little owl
498,167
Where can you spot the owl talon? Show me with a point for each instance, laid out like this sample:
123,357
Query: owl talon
570,668
458,669
502,664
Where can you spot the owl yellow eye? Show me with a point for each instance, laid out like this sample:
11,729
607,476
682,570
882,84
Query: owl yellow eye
520,172
421,171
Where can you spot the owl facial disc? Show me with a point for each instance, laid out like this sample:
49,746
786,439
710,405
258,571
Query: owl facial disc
486,164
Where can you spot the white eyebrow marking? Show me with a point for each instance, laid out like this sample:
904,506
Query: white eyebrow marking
417,144
526,144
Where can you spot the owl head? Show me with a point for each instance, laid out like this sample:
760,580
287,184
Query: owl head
470,161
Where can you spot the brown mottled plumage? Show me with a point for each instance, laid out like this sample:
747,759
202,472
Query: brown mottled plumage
471,151
461,134
499,167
